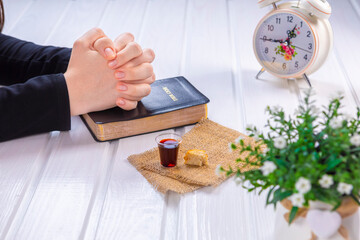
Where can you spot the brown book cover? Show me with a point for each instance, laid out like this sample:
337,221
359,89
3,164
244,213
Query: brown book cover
173,102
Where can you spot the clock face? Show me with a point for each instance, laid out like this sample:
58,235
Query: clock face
285,44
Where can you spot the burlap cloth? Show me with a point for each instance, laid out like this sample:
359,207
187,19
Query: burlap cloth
206,135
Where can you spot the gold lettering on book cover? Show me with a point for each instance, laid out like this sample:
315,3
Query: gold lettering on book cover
169,93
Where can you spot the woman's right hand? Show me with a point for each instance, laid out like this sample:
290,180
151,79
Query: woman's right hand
132,67
93,85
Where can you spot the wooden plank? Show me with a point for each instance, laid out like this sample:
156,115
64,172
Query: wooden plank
232,209
356,5
132,208
71,179
14,10
328,81
21,163
29,27
165,37
13,168
61,200
207,58
34,149
130,198
80,17
343,20
129,22
337,75
208,64
120,16
256,94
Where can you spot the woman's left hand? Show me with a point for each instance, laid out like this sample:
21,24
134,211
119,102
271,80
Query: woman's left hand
132,67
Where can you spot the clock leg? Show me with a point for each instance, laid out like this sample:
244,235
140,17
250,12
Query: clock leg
260,72
307,79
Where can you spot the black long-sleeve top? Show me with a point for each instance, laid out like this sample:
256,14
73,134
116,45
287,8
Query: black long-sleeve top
34,97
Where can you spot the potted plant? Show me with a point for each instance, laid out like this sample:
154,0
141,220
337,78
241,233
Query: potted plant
310,163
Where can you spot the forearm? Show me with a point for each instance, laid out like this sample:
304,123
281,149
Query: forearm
21,60
39,105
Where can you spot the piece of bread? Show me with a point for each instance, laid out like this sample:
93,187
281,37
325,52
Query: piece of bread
196,157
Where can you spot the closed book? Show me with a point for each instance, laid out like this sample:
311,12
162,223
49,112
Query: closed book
173,102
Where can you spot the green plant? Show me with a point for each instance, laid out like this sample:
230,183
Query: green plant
314,155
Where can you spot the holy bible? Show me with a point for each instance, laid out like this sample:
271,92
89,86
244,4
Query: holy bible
173,102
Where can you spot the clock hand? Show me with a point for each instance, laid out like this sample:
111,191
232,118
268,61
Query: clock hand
271,40
293,31
302,49
291,34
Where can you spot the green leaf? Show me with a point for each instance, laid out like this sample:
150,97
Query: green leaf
279,195
333,163
233,146
355,150
293,214
355,199
229,172
269,194
281,163
336,206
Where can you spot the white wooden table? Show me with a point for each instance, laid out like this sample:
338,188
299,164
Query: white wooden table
64,185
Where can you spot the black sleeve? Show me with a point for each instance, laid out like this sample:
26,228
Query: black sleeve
21,60
39,105
37,99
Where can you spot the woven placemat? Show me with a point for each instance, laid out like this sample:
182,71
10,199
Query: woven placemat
206,135
164,184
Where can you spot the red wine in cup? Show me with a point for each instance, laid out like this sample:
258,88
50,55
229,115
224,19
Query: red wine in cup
168,149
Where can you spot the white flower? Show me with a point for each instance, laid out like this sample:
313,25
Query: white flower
267,168
219,170
257,135
276,109
344,188
239,180
336,95
265,151
347,117
314,110
355,140
336,123
230,147
251,126
261,182
303,185
238,139
280,142
309,91
326,181
299,110
297,200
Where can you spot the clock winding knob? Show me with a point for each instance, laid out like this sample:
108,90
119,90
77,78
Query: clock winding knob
264,3
318,8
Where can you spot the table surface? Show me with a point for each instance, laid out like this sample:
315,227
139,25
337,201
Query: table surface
64,185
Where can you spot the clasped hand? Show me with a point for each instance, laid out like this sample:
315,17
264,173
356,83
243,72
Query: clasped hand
103,74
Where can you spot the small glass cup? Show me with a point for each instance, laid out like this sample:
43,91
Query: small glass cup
168,144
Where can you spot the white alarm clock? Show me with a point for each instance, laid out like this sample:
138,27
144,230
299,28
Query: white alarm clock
294,39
